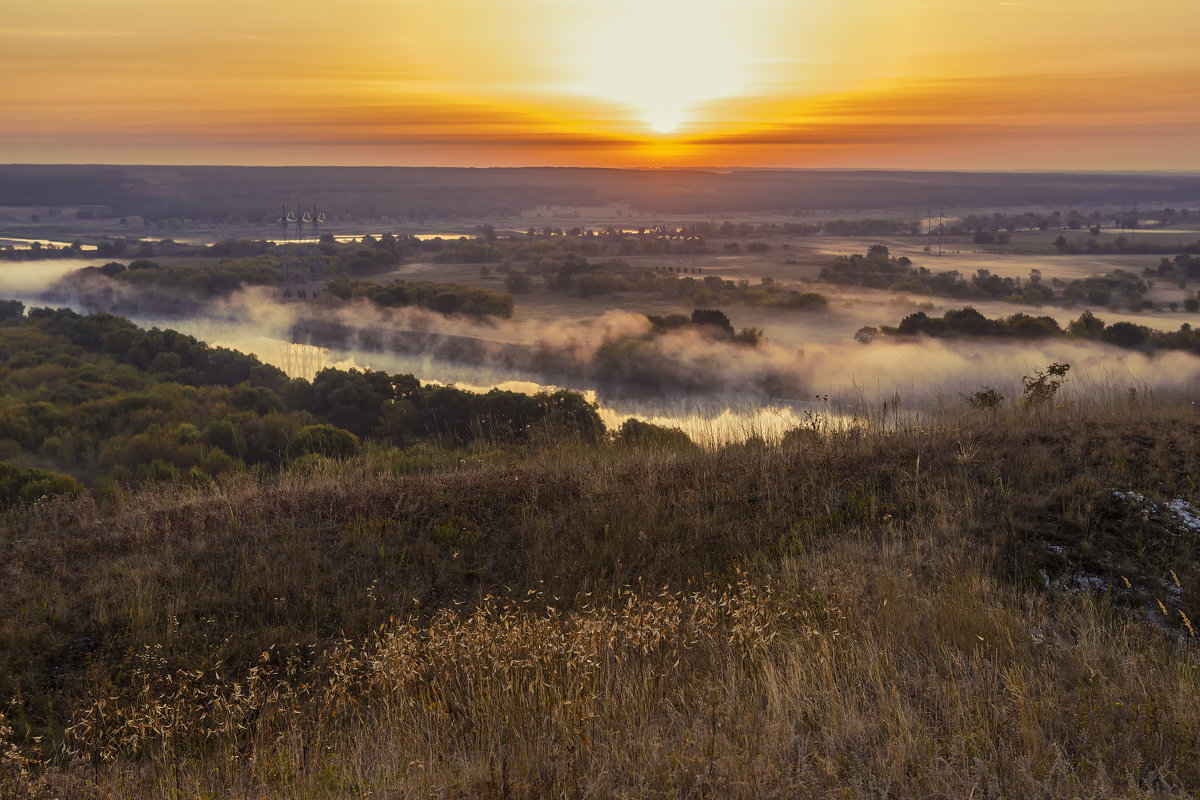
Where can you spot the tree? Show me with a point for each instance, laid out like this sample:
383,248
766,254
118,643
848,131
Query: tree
11,309
866,334
348,399
1125,334
714,318
1086,326
518,282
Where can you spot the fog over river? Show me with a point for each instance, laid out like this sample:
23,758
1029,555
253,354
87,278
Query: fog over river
809,371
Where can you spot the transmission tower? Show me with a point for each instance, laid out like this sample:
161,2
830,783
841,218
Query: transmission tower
286,219
307,263
315,258
303,360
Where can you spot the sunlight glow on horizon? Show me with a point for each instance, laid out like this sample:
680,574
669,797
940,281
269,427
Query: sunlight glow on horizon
662,58
1069,84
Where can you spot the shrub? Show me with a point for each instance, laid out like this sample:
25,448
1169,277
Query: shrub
323,439
987,397
1041,387
29,484
636,432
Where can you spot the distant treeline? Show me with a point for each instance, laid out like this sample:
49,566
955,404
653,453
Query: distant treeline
967,322
252,194
879,270
444,298
98,399
576,275
145,286
216,280
1129,245
133,247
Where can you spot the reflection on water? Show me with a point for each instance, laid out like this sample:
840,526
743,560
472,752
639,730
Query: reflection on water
27,277
709,422
354,237
1133,232
17,241
714,425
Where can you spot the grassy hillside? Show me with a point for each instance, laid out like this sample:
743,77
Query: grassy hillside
989,603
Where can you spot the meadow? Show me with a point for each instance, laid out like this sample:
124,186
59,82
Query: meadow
984,602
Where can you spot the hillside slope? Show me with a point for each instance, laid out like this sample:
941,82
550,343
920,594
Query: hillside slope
994,603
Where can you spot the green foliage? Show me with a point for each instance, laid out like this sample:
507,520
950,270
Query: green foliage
1126,334
1086,326
1043,385
11,310
444,298
712,318
563,262
879,270
985,398
636,432
96,396
30,484
969,322
323,439
168,288
517,282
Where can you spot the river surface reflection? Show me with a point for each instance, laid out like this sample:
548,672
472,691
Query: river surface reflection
709,421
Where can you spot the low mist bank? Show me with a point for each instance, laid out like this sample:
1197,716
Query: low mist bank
615,355
711,389
805,366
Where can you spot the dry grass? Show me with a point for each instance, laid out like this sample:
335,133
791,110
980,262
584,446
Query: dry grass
859,611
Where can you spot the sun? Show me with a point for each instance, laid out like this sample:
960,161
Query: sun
663,122
663,59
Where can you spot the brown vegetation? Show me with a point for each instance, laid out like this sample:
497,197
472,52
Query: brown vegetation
885,606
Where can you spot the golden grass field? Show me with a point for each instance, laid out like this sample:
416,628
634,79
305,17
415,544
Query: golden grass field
949,605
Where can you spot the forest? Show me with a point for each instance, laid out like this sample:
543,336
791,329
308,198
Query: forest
94,400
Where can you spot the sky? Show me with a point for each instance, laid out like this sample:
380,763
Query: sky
938,84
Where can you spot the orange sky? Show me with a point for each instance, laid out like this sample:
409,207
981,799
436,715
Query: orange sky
972,84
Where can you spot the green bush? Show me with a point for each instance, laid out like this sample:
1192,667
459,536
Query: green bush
637,432
323,439
30,484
